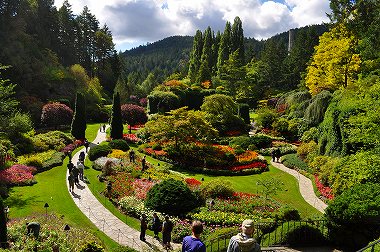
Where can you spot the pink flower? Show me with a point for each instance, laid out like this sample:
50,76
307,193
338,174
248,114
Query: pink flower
17,175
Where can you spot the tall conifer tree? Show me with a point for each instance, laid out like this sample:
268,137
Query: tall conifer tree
206,59
195,56
237,38
116,119
224,47
78,125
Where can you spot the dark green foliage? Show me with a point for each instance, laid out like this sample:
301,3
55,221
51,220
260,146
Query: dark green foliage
292,161
116,119
244,112
97,151
288,214
78,125
258,140
3,226
354,216
195,56
265,117
159,101
237,39
311,235
171,197
119,144
315,112
91,246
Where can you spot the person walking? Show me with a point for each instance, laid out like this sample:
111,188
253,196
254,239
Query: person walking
143,163
278,155
132,156
70,166
244,242
86,144
71,182
81,169
75,172
82,156
193,243
143,227
156,225
167,228
104,128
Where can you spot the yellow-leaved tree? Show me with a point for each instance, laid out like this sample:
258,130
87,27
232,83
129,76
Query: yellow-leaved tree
334,64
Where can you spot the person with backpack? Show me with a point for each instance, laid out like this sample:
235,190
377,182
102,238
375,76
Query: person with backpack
167,228
244,241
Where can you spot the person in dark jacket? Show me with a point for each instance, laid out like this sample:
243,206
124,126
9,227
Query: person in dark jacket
143,227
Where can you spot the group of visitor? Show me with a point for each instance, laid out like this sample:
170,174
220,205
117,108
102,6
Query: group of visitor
76,172
242,242
276,154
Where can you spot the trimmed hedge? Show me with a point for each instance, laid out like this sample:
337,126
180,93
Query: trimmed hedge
119,144
101,150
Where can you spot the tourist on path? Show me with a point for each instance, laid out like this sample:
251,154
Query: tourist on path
143,163
75,172
86,144
104,128
82,156
156,225
70,166
167,228
244,242
71,182
132,156
278,155
193,243
143,227
81,169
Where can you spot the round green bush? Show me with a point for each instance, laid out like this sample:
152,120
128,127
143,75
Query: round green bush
172,197
119,144
216,188
98,151
354,216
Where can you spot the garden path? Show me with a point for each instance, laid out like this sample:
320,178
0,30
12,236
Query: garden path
306,187
105,220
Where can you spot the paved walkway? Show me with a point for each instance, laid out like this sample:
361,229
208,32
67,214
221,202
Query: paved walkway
104,219
306,187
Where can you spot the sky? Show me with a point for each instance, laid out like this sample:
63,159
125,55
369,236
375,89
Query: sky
137,22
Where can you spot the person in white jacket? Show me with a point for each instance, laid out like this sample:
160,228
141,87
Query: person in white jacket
244,242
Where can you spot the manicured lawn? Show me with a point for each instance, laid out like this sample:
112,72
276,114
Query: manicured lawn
290,195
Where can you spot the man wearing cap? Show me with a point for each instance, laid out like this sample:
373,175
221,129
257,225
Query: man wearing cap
244,242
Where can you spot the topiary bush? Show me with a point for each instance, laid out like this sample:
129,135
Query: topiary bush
56,114
133,114
172,197
354,216
119,144
101,150
216,188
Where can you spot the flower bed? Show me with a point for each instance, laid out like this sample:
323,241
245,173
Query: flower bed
193,183
324,190
18,175
131,138
141,187
256,164
152,152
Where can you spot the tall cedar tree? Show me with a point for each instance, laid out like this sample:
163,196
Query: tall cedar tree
116,120
3,226
78,125
206,59
237,39
224,48
195,56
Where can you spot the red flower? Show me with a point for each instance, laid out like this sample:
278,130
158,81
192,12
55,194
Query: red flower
17,175
324,190
131,138
256,164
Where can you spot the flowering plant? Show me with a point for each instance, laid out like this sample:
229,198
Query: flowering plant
131,138
142,187
18,175
256,164
324,190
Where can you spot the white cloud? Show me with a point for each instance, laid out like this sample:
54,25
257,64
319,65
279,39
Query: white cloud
140,21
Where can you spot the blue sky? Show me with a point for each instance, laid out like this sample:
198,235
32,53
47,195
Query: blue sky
136,22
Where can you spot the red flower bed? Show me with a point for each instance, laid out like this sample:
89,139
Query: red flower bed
136,127
324,190
69,148
131,138
150,151
121,185
256,164
18,175
142,187
193,183
242,195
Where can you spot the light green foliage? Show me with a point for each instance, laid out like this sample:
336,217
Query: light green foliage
292,161
315,112
265,117
216,188
310,134
270,187
307,151
51,140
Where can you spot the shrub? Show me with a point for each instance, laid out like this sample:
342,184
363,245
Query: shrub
287,214
172,197
160,101
18,175
310,135
55,114
91,246
307,151
119,144
55,140
285,149
216,188
292,161
101,150
55,160
265,117
258,140
353,217
133,114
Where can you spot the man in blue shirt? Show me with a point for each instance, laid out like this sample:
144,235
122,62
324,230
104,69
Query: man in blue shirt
193,243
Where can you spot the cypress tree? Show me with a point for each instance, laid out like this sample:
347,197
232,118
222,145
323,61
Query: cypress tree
215,50
78,125
195,56
116,119
237,38
3,226
224,47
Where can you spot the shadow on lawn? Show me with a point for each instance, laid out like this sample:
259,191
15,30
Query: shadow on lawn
20,201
